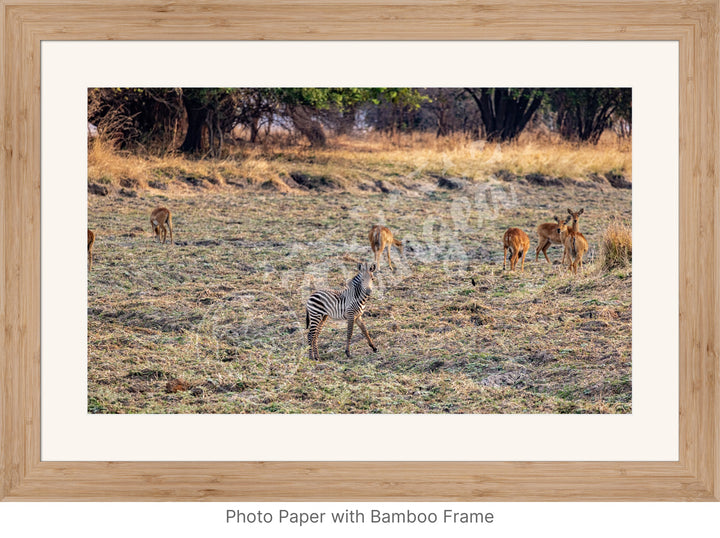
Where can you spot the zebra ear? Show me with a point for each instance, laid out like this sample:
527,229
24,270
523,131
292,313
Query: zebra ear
373,267
359,266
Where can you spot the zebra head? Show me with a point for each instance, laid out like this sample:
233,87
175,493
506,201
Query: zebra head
366,274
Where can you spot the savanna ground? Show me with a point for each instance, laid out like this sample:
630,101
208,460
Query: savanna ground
216,323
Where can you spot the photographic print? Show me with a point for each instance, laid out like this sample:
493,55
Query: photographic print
359,250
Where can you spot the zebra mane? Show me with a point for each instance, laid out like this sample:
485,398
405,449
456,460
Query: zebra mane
356,282
355,287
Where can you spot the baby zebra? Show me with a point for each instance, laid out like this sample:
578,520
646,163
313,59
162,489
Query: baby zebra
348,304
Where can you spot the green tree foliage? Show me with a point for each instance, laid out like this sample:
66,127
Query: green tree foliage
304,106
394,110
307,107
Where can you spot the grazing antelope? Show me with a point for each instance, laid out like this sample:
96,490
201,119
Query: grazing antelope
518,243
548,235
159,217
575,243
91,241
380,239
348,304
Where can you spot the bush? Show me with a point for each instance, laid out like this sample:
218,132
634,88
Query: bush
616,246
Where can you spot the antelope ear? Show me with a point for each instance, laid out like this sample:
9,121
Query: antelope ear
570,211
581,211
373,267
557,219
567,220
359,266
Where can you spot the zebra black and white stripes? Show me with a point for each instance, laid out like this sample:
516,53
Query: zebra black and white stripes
348,304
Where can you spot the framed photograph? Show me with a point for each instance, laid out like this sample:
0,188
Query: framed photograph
192,342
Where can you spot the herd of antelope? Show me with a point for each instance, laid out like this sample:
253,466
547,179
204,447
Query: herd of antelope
349,304
559,233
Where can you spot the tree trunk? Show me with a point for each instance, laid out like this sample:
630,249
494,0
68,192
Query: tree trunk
503,115
308,127
197,115
254,129
584,113
444,115
218,130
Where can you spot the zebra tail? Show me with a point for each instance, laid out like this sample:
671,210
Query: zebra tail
307,319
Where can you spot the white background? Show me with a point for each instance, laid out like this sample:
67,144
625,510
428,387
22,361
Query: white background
194,520
69,433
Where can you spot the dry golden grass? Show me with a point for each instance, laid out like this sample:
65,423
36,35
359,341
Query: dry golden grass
109,167
616,246
360,161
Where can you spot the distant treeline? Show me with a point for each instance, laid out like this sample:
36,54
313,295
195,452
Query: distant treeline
198,120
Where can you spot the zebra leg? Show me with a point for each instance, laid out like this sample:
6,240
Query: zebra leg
313,330
365,332
317,333
351,322
311,337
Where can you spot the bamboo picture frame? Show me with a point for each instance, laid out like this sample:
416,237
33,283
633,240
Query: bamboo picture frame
694,25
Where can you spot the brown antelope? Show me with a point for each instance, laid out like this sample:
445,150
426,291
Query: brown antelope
380,239
575,243
548,235
91,241
518,243
159,217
